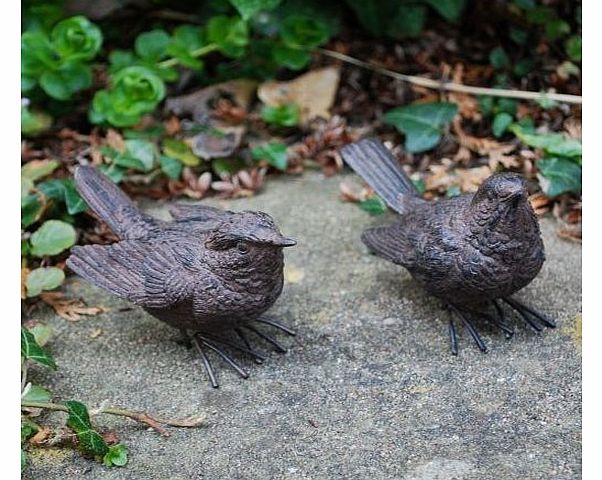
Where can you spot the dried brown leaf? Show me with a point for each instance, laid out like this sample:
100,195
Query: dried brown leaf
69,309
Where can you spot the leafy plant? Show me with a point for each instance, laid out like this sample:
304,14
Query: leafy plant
58,62
285,115
273,153
422,124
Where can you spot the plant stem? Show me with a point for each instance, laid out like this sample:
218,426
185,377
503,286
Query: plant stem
153,422
451,86
199,52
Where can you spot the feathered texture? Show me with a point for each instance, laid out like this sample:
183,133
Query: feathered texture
111,204
380,169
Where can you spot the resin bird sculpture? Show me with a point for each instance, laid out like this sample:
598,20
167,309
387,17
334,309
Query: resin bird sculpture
472,251
210,273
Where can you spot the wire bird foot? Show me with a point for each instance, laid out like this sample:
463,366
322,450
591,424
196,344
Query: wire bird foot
208,342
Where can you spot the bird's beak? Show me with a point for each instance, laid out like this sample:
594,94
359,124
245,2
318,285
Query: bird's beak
284,242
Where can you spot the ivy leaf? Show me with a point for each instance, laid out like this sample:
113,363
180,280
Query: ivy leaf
559,175
501,122
143,151
43,278
117,455
273,153
248,8
28,428
180,151
286,115
90,441
31,210
573,48
373,205
170,167
36,394
422,123
552,143
152,45
301,31
30,350
38,168
73,200
52,237
448,9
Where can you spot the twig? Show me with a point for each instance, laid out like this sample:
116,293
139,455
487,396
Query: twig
141,417
451,86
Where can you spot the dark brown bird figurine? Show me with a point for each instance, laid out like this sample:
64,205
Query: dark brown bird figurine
471,251
208,273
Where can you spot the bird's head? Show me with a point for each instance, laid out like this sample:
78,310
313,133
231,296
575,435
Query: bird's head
247,239
506,191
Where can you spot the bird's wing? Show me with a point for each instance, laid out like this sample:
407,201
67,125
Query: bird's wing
389,242
147,274
197,213
116,268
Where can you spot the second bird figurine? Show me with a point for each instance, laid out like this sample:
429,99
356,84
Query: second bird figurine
472,251
207,273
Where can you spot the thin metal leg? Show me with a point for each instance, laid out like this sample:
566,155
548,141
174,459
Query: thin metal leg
229,360
453,339
277,325
249,351
244,340
206,362
547,321
501,320
523,313
471,329
279,348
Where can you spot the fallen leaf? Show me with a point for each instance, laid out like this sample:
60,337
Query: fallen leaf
293,274
115,140
41,436
313,92
217,142
24,272
69,309
96,333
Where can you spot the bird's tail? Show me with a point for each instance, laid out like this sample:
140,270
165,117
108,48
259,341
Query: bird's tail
108,201
380,169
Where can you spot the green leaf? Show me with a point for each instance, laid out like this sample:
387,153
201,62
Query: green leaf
23,459
28,429
273,153
300,31
76,38
43,278
501,122
30,350
552,143
557,28
227,166
540,15
116,455
523,67
41,332
73,200
408,21
448,9
38,169
184,41
230,34
62,84
498,58
170,167
573,48
286,115
36,394
422,123
507,105
143,151
180,151
373,205
518,35
453,191
559,175
114,172
248,8
90,440
293,58
52,238
152,45
34,122
31,210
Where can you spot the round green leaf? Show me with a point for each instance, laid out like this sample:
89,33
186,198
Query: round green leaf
43,278
76,38
152,45
52,238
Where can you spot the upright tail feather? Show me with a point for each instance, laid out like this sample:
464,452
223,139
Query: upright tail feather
380,169
110,203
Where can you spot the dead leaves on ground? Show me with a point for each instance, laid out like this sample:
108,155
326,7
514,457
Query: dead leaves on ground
69,309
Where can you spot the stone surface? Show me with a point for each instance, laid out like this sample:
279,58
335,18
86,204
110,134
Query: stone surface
368,388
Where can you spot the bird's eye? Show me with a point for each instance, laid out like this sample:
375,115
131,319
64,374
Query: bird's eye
242,247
